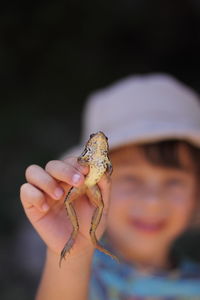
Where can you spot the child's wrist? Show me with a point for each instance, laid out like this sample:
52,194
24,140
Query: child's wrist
84,254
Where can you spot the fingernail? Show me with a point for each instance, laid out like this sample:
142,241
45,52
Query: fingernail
45,207
58,192
76,178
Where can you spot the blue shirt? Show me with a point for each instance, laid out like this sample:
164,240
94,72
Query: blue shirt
111,280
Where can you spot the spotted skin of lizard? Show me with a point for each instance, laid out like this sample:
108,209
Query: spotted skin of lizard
95,155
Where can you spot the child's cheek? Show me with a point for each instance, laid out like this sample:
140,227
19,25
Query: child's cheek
182,210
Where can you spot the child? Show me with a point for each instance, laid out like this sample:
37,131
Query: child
153,126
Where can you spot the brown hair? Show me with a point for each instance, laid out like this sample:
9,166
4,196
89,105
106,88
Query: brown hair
167,153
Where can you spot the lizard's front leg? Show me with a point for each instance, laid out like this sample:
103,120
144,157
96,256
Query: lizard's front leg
73,194
95,197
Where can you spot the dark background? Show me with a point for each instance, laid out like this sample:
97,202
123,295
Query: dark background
52,55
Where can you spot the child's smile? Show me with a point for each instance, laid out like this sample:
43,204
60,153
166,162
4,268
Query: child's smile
147,227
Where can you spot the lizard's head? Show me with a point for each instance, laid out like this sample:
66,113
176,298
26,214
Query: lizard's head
97,146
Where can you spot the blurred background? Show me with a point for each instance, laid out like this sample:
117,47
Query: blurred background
53,54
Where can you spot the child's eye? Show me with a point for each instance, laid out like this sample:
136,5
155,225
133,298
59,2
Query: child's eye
174,182
131,183
130,179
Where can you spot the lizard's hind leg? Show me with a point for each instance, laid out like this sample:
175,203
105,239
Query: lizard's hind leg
71,196
95,197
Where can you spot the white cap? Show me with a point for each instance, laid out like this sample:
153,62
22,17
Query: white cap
142,109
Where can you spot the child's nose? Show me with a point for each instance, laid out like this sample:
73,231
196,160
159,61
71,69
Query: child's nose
152,194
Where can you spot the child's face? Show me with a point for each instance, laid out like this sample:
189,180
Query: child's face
150,205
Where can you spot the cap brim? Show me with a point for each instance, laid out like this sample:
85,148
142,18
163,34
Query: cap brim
145,133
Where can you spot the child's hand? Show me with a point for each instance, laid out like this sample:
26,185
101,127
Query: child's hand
43,201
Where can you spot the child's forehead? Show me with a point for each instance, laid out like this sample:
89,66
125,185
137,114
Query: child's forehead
124,154
135,154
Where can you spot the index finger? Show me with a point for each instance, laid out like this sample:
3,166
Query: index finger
66,172
72,160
